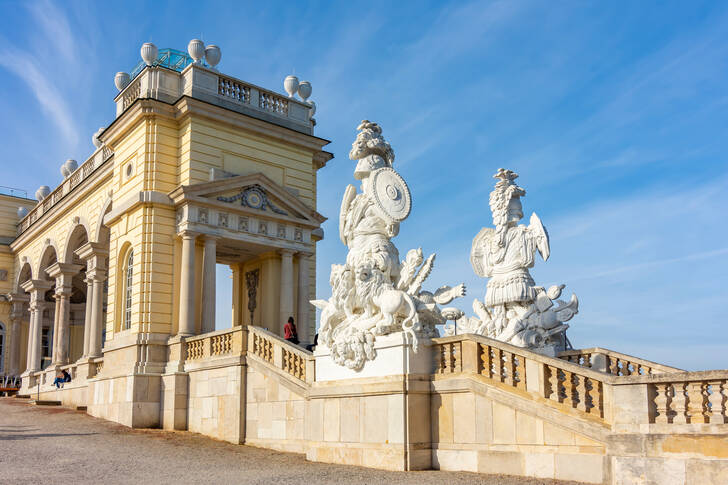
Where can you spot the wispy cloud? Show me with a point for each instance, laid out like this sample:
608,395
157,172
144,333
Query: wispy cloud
25,66
55,27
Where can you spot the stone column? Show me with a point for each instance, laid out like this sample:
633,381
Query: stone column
98,276
187,285
63,294
303,297
37,289
87,315
95,256
56,332
16,315
286,304
238,310
63,273
208,284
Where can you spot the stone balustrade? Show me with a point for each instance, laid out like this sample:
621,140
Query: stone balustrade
690,397
289,358
631,392
212,345
98,158
211,86
563,383
614,363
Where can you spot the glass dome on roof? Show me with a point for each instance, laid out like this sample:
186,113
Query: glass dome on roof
169,58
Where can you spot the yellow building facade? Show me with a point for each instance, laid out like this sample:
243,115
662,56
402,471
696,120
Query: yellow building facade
197,169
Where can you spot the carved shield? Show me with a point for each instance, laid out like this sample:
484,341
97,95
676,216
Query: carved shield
391,194
481,243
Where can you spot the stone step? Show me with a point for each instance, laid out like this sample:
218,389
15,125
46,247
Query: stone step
41,402
22,396
80,408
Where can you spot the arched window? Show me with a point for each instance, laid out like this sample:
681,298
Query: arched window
128,285
2,348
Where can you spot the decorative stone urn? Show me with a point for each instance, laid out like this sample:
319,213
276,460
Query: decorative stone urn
196,49
42,192
304,90
212,55
149,53
22,212
121,80
68,168
291,85
95,139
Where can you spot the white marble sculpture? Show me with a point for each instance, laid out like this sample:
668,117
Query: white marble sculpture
515,309
374,293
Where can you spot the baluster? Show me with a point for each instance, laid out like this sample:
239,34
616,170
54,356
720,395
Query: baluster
612,366
487,360
554,384
580,392
662,403
678,403
498,364
569,388
456,357
597,398
717,402
521,372
697,400
440,358
508,369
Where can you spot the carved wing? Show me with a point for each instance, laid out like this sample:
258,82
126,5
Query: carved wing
535,227
349,195
422,275
479,251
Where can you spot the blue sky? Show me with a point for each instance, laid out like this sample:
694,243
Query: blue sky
613,113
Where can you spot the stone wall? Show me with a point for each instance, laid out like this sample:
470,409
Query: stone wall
215,402
275,409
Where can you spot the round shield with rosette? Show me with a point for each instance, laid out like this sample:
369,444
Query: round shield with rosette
391,194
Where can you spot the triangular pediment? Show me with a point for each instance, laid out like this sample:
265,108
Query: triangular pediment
254,192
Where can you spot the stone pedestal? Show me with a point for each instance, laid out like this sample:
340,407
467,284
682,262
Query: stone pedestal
395,356
376,417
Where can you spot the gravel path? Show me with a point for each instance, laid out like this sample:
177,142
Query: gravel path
55,445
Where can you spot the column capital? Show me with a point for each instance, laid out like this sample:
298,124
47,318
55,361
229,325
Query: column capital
60,270
63,291
39,305
211,237
92,249
95,274
187,234
18,298
36,285
304,254
286,252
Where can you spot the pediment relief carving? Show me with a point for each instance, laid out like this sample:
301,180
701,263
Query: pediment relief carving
253,193
254,197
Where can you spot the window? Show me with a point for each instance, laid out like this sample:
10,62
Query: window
128,289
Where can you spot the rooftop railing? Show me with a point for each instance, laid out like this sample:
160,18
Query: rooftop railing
100,156
13,192
200,82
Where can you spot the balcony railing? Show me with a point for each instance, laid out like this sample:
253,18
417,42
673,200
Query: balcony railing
97,159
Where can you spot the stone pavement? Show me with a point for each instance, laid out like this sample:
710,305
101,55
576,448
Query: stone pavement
56,445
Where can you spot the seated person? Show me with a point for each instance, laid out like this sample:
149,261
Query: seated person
60,378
